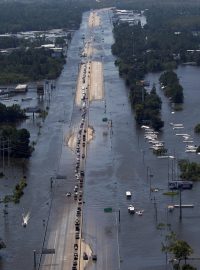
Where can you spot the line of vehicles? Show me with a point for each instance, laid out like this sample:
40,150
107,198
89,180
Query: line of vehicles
81,141
152,137
190,147
79,172
131,208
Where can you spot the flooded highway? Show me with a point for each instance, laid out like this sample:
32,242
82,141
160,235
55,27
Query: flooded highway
118,159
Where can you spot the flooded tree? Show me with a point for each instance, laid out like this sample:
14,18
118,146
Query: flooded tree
179,249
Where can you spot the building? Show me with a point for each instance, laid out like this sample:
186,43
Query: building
21,88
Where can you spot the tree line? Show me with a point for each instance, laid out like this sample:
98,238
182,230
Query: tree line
16,16
31,64
13,142
147,105
170,84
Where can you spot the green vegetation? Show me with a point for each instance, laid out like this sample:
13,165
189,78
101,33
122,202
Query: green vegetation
171,193
170,37
18,191
29,65
27,62
2,244
172,89
189,170
180,250
16,142
147,105
16,16
11,114
197,128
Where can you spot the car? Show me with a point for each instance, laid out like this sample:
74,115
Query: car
75,256
83,144
68,194
85,256
74,268
82,173
78,213
75,246
77,221
83,156
77,229
94,257
76,189
74,263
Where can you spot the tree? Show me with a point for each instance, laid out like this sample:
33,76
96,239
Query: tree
19,141
197,128
180,250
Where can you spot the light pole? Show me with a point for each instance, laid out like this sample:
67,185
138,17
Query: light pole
143,152
180,202
168,168
149,176
150,188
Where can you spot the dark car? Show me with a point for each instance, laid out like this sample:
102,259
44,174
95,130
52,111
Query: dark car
77,221
75,246
94,257
78,213
77,228
75,256
74,263
85,256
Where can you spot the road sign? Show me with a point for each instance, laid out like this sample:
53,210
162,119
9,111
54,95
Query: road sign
48,251
108,210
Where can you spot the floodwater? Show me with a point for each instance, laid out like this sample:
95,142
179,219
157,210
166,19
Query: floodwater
118,160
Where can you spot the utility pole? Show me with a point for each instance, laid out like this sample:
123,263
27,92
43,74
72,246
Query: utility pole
8,152
180,202
156,210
